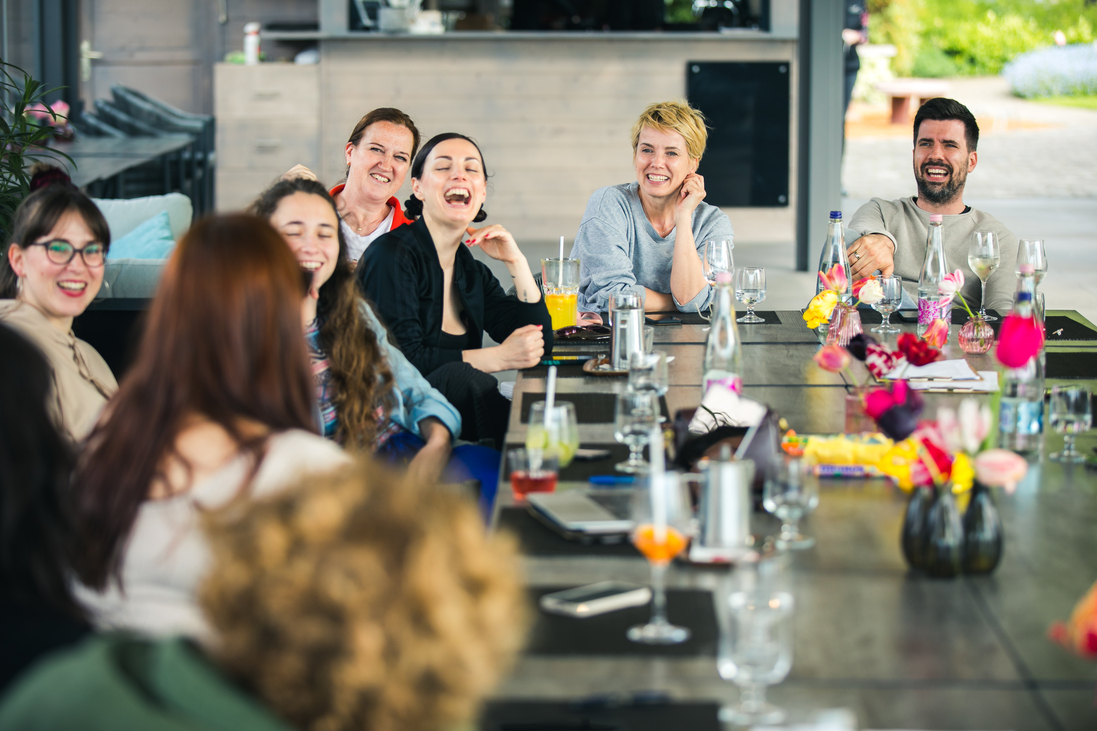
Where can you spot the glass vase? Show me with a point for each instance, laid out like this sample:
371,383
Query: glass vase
976,336
845,322
913,538
944,547
857,421
982,532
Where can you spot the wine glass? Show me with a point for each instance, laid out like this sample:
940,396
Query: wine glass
662,516
637,414
648,372
557,434
791,491
1031,251
983,257
755,651
717,259
1071,413
892,287
750,289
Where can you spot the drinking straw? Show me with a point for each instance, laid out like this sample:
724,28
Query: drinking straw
550,396
658,485
560,276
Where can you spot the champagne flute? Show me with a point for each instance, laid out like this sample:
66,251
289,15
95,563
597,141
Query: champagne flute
1071,413
750,289
892,287
648,372
636,415
662,515
755,651
983,257
1031,251
791,491
717,259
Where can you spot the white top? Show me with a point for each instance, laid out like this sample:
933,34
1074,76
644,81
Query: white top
356,244
166,556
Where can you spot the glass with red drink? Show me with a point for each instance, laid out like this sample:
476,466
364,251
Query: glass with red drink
531,470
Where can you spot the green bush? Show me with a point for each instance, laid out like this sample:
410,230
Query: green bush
933,63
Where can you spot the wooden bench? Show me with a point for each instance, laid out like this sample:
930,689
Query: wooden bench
902,91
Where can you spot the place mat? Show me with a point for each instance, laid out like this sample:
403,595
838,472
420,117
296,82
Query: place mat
637,712
1071,329
590,408
581,470
770,316
554,634
1072,365
567,369
537,539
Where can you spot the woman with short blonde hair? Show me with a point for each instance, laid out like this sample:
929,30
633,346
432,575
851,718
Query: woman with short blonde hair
652,232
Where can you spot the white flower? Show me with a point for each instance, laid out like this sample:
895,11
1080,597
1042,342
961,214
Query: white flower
871,293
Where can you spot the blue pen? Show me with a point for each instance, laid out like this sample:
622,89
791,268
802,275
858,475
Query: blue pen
612,480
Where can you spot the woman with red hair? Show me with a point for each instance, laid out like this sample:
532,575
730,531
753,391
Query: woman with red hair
216,408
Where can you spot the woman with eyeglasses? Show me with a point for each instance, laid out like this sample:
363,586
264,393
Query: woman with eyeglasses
50,273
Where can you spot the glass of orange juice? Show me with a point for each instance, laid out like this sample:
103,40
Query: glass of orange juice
662,519
560,283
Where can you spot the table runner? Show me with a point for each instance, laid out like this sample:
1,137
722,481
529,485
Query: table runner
639,712
1082,365
590,408
605,634
537,539
567,369
581,470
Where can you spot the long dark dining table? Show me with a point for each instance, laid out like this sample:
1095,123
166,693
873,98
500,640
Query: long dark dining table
898,648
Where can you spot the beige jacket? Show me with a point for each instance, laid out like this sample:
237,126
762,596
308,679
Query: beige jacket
82,381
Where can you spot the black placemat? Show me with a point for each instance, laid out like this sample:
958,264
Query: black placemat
605,634
1071,329
590,408
566,369
581,470
627,713
770,317
1072,365
537,539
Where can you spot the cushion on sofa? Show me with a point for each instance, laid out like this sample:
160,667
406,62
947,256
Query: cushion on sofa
151,240
124,215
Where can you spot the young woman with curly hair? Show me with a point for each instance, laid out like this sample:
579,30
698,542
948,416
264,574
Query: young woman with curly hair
346,602
371,398
217,406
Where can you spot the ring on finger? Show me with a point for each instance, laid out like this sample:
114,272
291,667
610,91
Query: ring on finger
858,255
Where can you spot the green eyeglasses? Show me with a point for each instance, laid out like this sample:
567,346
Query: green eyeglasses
62,252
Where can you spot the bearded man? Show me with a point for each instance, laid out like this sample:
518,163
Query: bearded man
890,236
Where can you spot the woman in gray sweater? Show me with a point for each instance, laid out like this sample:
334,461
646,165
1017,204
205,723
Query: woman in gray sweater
652,232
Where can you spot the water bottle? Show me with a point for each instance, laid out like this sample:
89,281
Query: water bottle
834,254
1021,417
723,352
251,44
931,305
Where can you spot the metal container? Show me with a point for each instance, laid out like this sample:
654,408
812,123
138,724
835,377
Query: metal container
626,307
725,508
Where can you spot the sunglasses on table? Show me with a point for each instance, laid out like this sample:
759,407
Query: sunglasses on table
62,252
583,332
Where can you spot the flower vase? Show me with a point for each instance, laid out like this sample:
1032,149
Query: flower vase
913,538
944,546
982,532
976,336
857,421
845,322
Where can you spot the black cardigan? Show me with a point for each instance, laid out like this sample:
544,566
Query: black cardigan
400,273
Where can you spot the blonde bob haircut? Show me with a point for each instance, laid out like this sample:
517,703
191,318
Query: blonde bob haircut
674,116
359,601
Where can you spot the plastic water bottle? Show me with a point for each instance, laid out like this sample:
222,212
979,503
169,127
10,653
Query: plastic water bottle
251,44
723,350
1021,417
931,305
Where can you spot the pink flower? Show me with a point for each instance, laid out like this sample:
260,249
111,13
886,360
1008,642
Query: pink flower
964,430
834,279
879,360
895,410
1000,468
937,333
952,283
1019,340
832,358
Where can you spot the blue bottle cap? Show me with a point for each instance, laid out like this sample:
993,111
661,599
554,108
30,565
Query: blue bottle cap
1024,296
835,214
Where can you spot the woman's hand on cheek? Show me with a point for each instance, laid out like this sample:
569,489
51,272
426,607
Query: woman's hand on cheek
693,192
496,242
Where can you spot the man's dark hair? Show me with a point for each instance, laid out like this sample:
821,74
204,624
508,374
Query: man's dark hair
942,109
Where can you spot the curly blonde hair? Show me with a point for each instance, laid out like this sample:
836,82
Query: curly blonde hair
357,601
674,116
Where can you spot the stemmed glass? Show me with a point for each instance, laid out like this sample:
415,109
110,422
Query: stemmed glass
755,652
750,289
717,259
647,372
637,414
892,287
1071,413
791,491
662,516
983,257
1031,251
